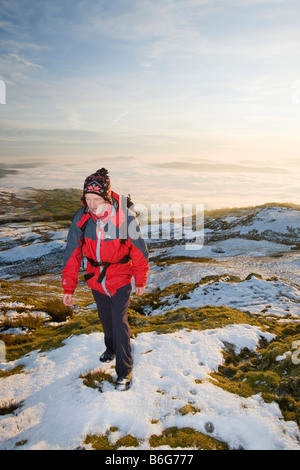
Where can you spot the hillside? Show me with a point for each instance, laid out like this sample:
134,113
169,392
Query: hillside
215,337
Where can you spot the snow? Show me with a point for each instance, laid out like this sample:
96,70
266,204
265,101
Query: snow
225,249
15,315
264,233
25,242
170,370
256,295
280,220
187,271
58,411
30,251
275,219
29,231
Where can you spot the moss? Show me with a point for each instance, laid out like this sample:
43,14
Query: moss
160,261
16,370
262,381
103,443
290,408
252,372
186,437
127,441
113,429
201,318
49,337
98,442
189,408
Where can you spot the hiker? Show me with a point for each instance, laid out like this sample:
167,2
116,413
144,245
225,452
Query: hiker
107,233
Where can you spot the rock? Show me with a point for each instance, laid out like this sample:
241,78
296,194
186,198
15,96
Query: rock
209,427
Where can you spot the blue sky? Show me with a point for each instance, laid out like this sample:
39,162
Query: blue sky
166,80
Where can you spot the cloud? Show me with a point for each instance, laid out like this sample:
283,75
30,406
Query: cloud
147,77
118,118
13,167
26,64
149,184
220,168
6,172
187,27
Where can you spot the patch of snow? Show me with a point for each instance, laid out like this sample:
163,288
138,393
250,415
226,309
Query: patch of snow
170,371
255,295
31,251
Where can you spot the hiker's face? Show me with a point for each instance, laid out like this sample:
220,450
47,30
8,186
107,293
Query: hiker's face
96,204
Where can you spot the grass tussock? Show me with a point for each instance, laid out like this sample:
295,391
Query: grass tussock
57,310
95,379
9,407
25,322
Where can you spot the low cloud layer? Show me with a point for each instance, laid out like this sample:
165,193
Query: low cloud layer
148,183
220,168
13,168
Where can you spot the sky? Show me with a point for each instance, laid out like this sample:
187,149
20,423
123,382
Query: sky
175,97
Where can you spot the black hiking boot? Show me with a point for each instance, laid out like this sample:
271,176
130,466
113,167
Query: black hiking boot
107,356
123,383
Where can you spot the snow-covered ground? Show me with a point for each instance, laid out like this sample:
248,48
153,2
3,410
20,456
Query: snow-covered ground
252,294
286,267
170,370
24,241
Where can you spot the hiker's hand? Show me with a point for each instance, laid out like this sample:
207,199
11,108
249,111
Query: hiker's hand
139,290
68,300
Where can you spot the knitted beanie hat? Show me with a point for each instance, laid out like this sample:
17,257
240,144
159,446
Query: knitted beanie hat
98,183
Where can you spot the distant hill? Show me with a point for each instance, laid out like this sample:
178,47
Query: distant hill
29,204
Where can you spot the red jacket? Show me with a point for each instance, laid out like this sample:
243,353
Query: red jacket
106,240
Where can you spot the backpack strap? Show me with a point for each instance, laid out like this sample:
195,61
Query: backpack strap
82,225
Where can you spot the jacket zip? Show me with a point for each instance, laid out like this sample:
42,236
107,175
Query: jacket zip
100,225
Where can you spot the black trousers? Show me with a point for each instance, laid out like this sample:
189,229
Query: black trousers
112,312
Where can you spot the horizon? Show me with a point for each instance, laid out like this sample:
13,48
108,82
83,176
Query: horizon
183,99
219,190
